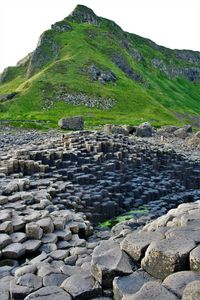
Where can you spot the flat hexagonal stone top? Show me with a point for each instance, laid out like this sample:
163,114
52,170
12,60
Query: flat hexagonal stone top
167,256
49,293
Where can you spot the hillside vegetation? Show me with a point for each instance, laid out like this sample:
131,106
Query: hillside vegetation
87,65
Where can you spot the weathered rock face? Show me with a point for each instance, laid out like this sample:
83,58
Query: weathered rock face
136,243
14,250
47,49
167,130
197,134
128,285
82,286
73,123
192,291
108,261
103,76
114,129
152,290
165,257
50,293
62,26
183,132
195,259
192,57
83,14
124,65
144,130
191,73
177,282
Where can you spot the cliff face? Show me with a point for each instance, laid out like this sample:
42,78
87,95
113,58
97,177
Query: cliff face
91,56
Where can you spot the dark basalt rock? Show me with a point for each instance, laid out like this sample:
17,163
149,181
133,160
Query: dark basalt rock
109,261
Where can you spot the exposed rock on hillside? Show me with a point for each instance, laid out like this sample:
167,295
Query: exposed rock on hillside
47,49
84,14
124,65
61,26
103,76
191,73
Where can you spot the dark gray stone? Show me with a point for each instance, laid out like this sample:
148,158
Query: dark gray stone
136,243
109,261
54,279
144,130
177,282
192,291
73,123
82,287
15,250
129,285
167,256
49,293
152,290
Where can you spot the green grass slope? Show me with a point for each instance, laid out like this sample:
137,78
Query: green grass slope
151,83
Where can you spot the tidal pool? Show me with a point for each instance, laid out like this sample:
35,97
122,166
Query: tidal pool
140,211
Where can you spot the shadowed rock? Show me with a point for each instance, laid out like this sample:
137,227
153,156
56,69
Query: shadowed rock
109,261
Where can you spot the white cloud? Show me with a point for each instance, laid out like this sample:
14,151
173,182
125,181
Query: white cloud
171,23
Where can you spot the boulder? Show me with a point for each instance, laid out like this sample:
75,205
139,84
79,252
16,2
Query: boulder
3,200
31,245
195,259
194,141
119,130
25,270
197,134
144,130
129,285
54,279
30,280
5,240
167,130
152,290
15,250
192,291
108,128
73,123
114,129
46,224
183,132
82,286
18,291
130,129
34,231
109,261
136,243
167,256
177,282
49,293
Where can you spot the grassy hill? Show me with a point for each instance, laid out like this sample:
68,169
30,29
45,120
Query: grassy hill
87,65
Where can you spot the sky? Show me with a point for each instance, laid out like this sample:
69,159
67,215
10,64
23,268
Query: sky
171,23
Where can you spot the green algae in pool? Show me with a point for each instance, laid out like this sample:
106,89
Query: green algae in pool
124,217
